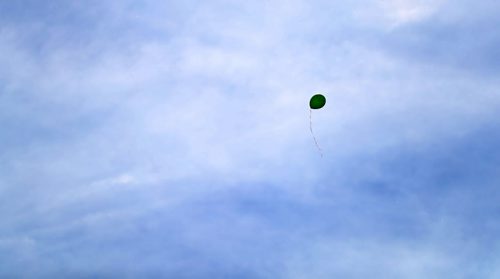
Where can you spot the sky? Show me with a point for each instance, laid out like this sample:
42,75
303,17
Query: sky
170,139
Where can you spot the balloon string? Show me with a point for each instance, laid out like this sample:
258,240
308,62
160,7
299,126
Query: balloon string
310,128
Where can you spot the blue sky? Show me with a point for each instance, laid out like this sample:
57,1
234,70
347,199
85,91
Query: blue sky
170,139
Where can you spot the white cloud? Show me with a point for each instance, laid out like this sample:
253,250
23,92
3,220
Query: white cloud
234,105
395,13
216,100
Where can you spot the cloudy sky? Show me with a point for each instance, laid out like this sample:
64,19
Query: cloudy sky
170,139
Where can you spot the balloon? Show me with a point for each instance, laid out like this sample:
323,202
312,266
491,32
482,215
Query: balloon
317,101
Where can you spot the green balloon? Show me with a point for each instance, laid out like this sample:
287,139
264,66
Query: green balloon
317,101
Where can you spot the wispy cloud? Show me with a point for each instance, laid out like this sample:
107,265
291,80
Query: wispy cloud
172,139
